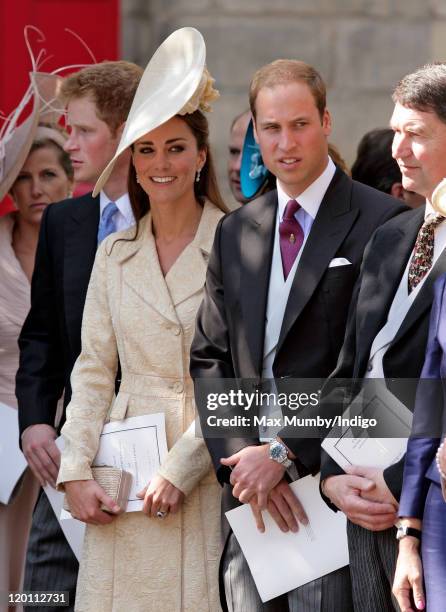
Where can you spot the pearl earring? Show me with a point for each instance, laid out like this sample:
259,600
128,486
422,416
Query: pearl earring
197,178
137,179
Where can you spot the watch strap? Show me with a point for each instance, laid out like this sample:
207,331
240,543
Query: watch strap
404,531
415,533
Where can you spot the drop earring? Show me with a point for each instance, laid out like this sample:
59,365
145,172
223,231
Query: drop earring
197,178
137,179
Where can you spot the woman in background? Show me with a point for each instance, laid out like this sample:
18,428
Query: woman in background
45,177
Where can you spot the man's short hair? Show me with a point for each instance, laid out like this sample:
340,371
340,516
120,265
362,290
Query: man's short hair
285,71
424,90
111,86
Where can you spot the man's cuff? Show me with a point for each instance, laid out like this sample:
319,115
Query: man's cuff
326,499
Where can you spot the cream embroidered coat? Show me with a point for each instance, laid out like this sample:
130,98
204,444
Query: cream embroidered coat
136,563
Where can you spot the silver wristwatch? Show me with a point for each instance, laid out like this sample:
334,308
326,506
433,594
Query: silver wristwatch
404,531
278,453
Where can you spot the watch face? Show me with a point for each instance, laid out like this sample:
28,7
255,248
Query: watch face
400,532
277,452
404,530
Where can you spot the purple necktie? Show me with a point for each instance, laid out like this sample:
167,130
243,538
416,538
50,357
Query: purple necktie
291,237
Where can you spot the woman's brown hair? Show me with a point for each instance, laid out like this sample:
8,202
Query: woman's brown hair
207,186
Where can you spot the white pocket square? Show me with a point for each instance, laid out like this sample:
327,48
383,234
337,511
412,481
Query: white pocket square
339,261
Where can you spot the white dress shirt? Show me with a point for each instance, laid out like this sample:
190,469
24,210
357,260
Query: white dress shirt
124,217
309,200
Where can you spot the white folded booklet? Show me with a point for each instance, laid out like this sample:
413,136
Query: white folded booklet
137,445
12,459
280,562
352,445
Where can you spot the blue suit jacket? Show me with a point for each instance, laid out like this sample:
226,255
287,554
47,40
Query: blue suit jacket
429,421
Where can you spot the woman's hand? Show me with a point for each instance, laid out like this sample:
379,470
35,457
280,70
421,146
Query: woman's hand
160,495
85,498
409,576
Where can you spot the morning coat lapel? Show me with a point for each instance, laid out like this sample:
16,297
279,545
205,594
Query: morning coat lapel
141,270
330,227
188,274
80,243
256,248
378,288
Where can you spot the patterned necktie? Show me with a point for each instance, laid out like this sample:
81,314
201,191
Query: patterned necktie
423,253
107,224
291,237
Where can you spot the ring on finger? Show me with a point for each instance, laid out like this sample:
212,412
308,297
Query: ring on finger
161,514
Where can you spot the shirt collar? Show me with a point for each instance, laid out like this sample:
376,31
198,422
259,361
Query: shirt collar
123,204
311,198
429,211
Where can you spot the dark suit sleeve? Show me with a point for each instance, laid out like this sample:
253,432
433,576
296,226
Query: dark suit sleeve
427,418
40,377
211,359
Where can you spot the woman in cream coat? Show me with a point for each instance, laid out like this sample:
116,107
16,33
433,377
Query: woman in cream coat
141,305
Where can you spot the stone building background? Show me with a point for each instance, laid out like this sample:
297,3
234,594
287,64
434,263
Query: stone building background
361,48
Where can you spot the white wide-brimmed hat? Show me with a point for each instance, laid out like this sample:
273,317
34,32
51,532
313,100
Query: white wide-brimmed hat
439,198
174,82
17,138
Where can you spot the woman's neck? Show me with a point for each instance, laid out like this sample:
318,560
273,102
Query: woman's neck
177,220
25,236
24,243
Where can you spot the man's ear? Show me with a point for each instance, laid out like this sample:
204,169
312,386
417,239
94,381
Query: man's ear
119,130
326,122
397,191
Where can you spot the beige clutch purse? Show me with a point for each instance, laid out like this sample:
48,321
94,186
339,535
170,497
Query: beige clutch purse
115,482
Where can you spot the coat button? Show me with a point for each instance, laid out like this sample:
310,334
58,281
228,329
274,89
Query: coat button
370,366
177,331
178,387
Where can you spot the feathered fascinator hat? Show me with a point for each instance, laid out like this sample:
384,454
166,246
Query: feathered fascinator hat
175,82
17,133
254,175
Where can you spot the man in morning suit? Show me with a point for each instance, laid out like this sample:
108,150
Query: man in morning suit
388,329
278,288
98,99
